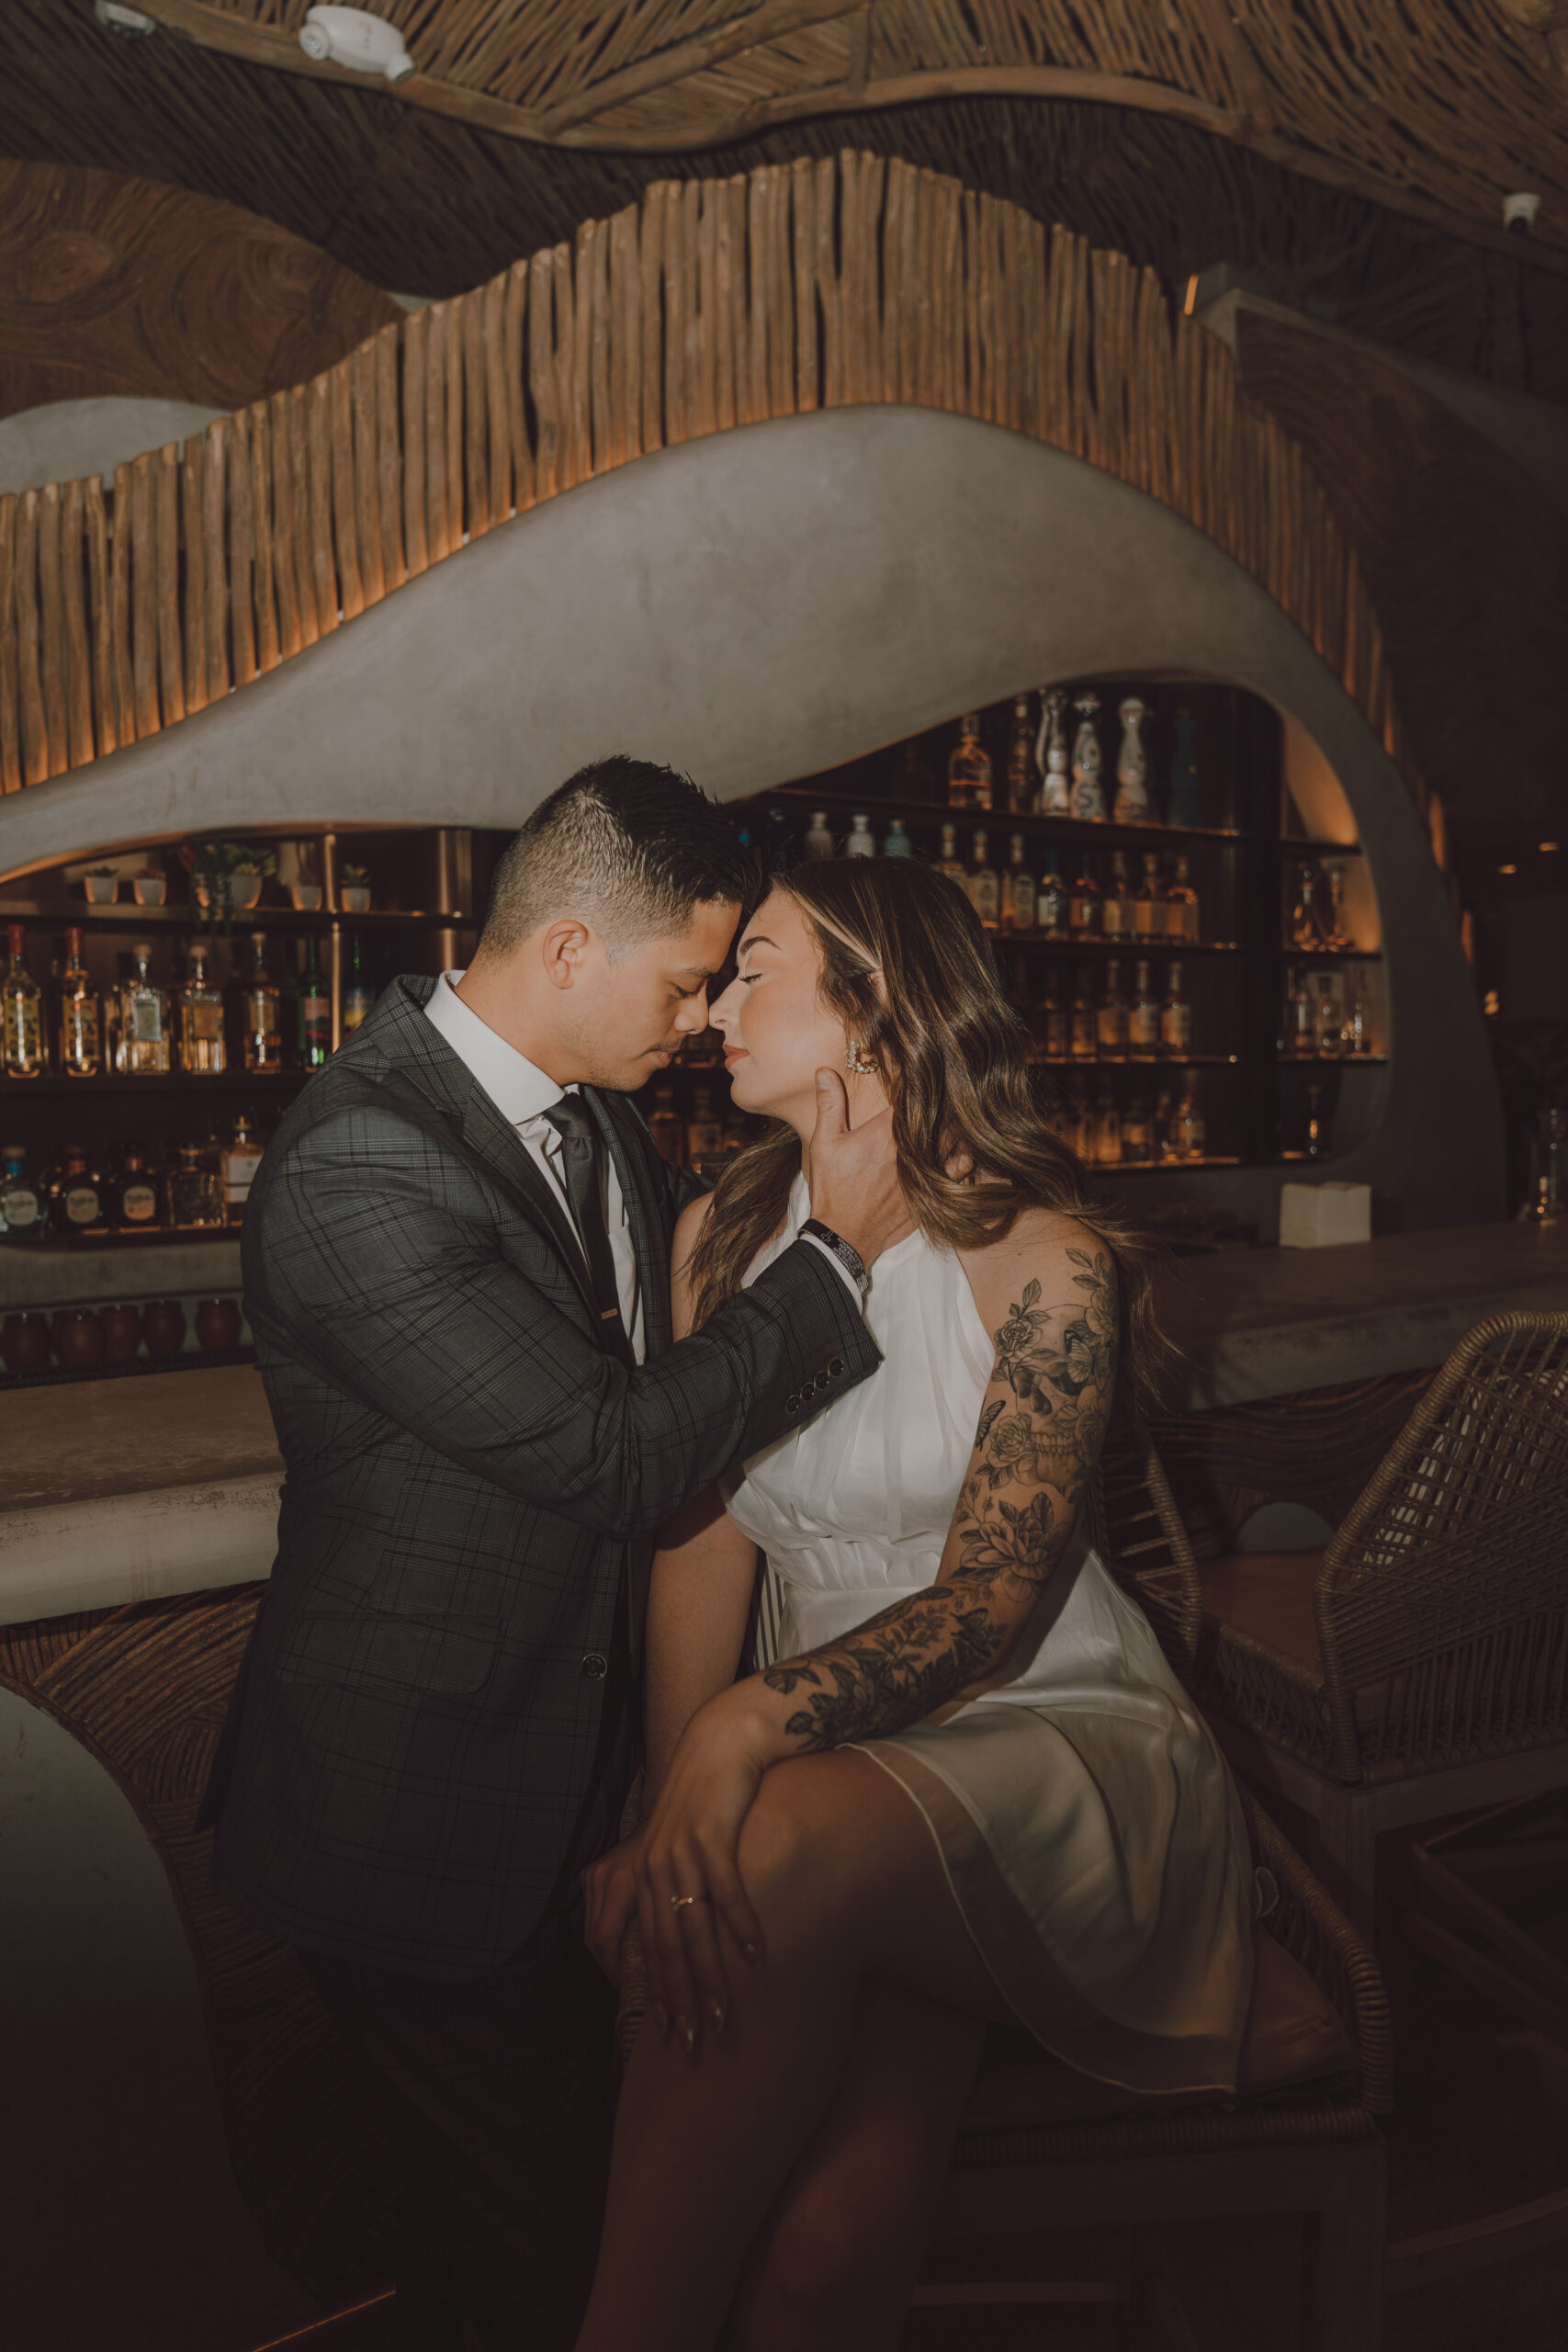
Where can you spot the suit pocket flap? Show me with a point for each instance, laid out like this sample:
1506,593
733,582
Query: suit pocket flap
438,1653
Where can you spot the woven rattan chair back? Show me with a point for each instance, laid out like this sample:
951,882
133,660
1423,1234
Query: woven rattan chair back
1138,1532
1442,1600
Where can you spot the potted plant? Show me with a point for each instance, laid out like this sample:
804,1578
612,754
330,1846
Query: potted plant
355,889
102,886
226,875
307,896
247,878
150,889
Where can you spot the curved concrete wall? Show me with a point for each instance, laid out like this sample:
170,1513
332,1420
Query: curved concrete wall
765,603
66,439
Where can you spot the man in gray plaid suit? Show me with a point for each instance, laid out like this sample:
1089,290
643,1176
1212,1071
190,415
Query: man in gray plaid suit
456,1259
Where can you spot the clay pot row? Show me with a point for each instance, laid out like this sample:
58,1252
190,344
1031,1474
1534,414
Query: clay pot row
84,1335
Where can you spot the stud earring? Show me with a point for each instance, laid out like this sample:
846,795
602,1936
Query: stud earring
858,1062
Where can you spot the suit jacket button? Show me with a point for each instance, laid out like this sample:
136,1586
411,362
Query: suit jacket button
835,1365
791,1404
821,1381
594,1667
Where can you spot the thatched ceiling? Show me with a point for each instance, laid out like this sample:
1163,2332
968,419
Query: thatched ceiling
1357,165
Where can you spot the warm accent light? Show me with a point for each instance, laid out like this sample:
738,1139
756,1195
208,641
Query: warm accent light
1545,846
1507,869
1190,304
1490,1003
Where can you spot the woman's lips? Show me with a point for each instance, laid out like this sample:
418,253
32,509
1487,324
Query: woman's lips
733,1053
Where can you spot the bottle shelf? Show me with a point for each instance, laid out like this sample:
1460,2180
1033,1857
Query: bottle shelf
1104,1168
1332,1062
1043,942
997,820
1162,1062
1330,955
269,1082
186,917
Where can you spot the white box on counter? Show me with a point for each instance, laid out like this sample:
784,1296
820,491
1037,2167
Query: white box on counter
1320,1217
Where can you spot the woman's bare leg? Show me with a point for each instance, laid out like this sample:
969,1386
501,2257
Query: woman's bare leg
837,2258
846,1879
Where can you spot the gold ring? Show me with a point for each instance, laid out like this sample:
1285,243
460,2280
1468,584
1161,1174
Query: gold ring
679,1902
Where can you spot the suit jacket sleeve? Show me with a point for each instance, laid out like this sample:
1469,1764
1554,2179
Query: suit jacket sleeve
377,1260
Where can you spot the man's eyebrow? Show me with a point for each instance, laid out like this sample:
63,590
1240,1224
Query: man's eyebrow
756,940
698,971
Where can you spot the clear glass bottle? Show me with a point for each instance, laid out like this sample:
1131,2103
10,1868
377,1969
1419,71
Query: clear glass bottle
1328,1018
1137,1130
261,1012
204,1052
984,889
949,863
666,1128
1022,775
1086,1016
1107,1126
1164,1124
1297,1044
818,839
1142,1015
1017,891
136,1199
1358,1023
237,1165
1175,1017
1182,903
704,1130
80,1015
195,1190
22,1216
358,995
1111,1030
1118,914
315,1012
1058,1028
1051,754
969,767
1084,902
897,843
1191,1132
76,1202
141,1045
861,843
1148,905
26,1050
1051,900
1088,791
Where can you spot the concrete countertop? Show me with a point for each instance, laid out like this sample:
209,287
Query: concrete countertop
96,1273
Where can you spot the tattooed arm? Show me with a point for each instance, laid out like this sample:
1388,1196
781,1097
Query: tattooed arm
1048,1296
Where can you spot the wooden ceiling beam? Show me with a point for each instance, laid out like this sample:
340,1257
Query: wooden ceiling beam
568,127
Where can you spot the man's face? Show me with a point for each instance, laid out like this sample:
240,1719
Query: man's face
626,1019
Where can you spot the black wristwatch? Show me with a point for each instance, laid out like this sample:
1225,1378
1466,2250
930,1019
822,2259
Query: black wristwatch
848,1256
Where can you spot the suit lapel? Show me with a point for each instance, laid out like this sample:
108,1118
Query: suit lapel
624,1137
496,1140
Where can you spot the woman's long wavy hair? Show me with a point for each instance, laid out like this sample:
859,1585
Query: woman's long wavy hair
952,1053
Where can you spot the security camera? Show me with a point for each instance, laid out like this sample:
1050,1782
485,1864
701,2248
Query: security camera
130,23
1518,213
354,38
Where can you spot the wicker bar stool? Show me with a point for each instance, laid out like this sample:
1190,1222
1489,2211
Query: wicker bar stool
1416,1667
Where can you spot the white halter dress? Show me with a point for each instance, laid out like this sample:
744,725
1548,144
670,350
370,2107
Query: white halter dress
1086,1820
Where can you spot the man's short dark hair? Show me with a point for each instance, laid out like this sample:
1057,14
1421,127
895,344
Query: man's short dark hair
630,847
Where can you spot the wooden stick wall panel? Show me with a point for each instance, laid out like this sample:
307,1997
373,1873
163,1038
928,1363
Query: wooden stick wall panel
711,303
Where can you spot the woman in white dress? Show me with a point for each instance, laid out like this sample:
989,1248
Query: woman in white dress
970,1790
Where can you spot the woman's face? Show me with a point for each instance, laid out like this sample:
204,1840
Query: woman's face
777,1031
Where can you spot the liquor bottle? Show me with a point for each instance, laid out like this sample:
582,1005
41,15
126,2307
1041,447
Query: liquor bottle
315,1012
1051,901
203,1050
1137,1130
76,1195
358,995
1107,1126
734,1138
141,1045
778,851
1080,1120
916,780
1112,1021
1018,890
1164,1124
1084,903
1182,903
1191,1132
1306,924
1133,805
196,1190
1328,1018
261,1012
818,839
1086,1016
1058,1028
1297,1043
666,1128
21,1203
237,1165
136,1203
1148,906
80,1015
1315,1140
1118,914
1018,988
1088,802
1185,806
984,889
704,1132
1051,754
969,767
1175,1017
859,843
1143,1017
897,844
1022,775
26,1052
1358,1028
949,863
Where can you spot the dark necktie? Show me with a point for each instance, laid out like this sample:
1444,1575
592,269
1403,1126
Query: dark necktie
579,1164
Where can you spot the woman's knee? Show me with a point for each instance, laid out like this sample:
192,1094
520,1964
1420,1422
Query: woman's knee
793,1846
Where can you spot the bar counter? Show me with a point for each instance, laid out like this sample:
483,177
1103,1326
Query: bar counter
131,1489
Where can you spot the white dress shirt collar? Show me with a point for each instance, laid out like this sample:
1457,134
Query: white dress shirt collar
519,1089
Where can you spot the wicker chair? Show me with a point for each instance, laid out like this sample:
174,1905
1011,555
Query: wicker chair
1417,1666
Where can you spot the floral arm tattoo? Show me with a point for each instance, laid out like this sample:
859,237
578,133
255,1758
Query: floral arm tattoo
1045,1415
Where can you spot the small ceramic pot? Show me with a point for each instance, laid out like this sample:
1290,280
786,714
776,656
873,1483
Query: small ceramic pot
217,1323
122,1333
245,889
78,1337
164,1326
150,889
24,1342
307,896
102,889
355,897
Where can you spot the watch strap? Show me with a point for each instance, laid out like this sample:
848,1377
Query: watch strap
848,1256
